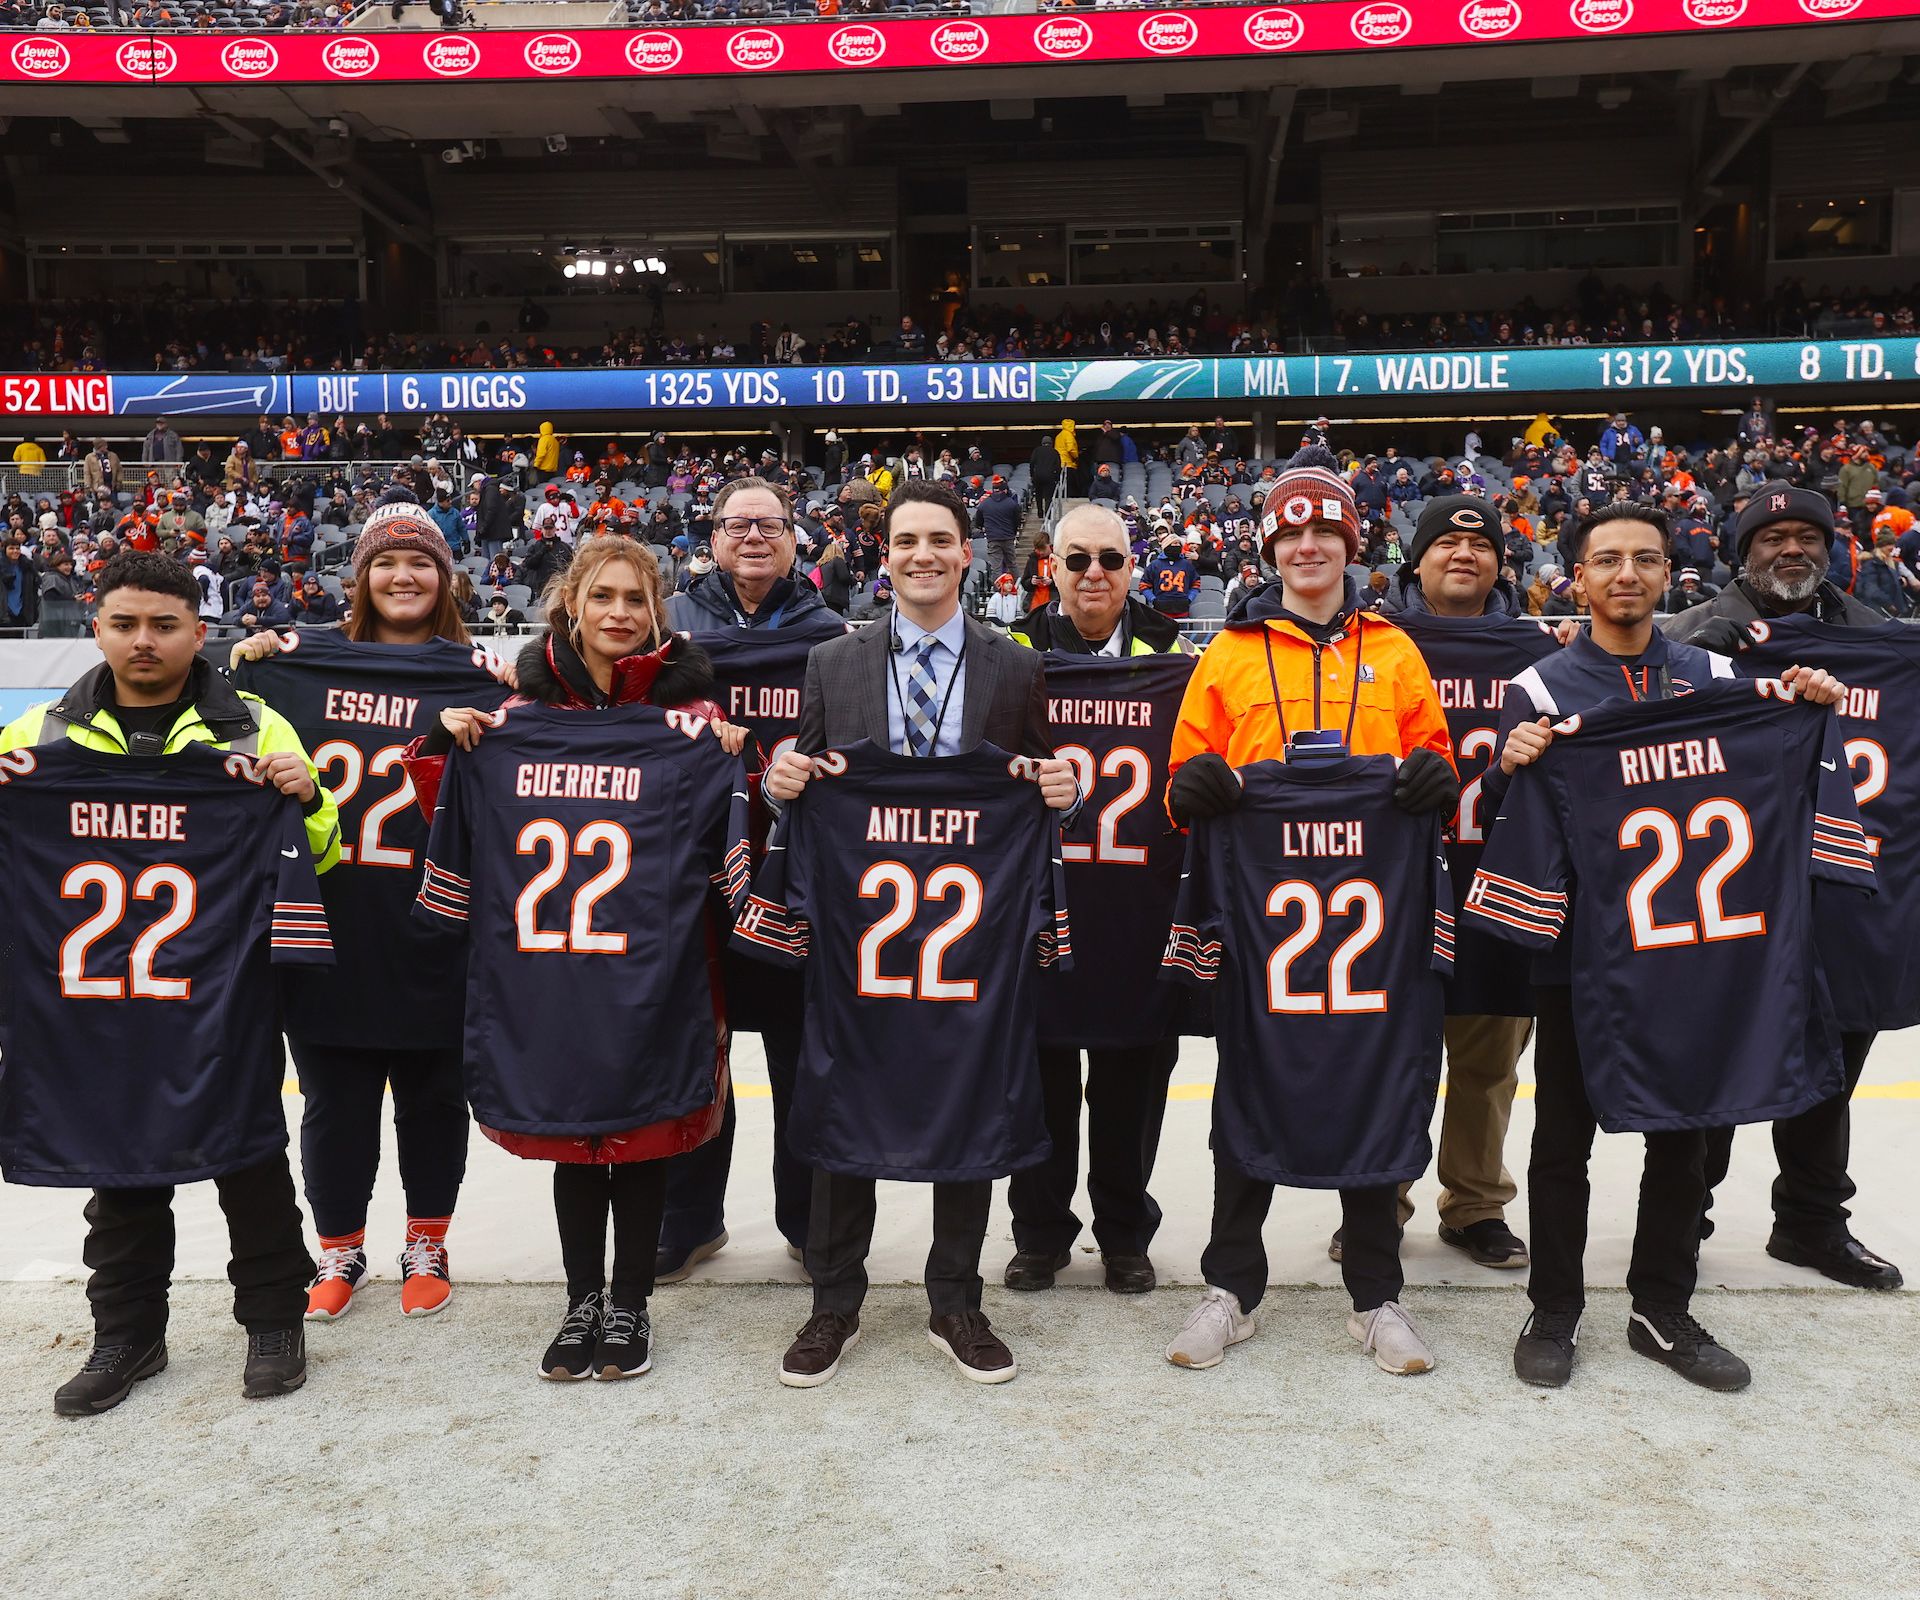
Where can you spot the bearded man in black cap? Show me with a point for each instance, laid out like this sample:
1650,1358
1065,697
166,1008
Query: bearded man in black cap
1784,539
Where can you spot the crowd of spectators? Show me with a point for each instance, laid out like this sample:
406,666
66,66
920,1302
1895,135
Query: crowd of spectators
176,16
170,333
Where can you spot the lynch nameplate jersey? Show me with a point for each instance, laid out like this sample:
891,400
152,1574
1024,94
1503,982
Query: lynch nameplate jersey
578,848
1472,659
1678,840
145,902
398,983
1113,719
1870,949
1323,914
923,896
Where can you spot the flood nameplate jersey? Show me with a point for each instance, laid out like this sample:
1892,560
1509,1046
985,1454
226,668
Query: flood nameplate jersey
145,902
1869,949
399,983
1679,839
1323,916
579,849
1113,718
1472,659
923,896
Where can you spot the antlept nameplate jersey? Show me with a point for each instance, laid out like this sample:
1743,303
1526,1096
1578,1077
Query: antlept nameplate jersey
1322,916
1677,841
581,850
145,902
923,896
399,983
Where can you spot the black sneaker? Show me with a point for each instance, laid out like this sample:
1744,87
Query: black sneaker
1543,1354
676,1265
1336,1246
625,1349
1490,1243
1034,1269
276,1362
570,1357
1845,1260
108,1377
1675,1340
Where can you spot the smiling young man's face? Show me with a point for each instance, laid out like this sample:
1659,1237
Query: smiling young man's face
927,555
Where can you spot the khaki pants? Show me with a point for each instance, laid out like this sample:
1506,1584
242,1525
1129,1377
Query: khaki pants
1483,1055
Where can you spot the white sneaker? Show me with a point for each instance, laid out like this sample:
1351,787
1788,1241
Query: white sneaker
1215,1323
1388,1335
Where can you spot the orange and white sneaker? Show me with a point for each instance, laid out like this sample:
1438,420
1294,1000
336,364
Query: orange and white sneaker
343,1268
426,1285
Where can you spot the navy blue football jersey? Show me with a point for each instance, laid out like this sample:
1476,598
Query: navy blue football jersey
1675,841
1472,660
1324,915
398,984
578,848
1869,949
1113,718
145,903
923,896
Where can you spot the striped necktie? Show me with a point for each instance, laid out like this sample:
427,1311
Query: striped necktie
921,702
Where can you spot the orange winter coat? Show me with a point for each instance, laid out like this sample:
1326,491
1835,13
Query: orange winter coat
1229,708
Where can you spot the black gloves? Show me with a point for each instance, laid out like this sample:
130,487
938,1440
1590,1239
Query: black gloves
1724,636
1205,787
1426,782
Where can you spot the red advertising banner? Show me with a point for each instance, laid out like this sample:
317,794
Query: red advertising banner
1319,28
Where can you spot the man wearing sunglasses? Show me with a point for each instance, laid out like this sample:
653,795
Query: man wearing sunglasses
1096,616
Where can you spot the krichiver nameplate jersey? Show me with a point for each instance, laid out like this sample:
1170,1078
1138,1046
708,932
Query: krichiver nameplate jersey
146,901
1113,719
1322,914
399,983
923,896
1677,841
578,848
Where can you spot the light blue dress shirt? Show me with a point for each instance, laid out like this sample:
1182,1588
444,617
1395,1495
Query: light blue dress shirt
949,679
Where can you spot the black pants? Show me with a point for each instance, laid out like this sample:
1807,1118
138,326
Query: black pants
584,1194
1811,1193
1236,1255
840,1233
1672,1184
697,1180
1126,1105
129,1251
344,1091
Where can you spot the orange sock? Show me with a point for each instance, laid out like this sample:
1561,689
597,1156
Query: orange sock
434,1228
345,1241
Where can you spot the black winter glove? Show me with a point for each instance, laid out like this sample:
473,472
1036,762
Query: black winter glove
1205,787
1426,782
1724,636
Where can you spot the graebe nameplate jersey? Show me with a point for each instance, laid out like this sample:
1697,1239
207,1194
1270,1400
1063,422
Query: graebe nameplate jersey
1472,659
1322,915
145,902
1113,719
1869,949
1679,839
578,848
923,895
399,984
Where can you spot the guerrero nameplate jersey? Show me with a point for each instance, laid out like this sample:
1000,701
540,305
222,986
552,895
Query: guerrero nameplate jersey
398,984
146,901
579,848
1472,660
1324,914
923,896
1113,719
1678,840
1869,949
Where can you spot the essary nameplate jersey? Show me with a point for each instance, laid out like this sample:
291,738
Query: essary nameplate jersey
1678,840
146,901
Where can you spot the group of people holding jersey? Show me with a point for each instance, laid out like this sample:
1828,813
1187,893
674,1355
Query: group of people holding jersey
1302,670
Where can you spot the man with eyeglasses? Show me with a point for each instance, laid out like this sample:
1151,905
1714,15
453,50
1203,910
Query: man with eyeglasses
1096,617
1622,570
757,619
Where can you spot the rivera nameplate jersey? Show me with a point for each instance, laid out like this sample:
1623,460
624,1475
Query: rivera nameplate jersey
146,900
923,895
1322,914
1676,841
